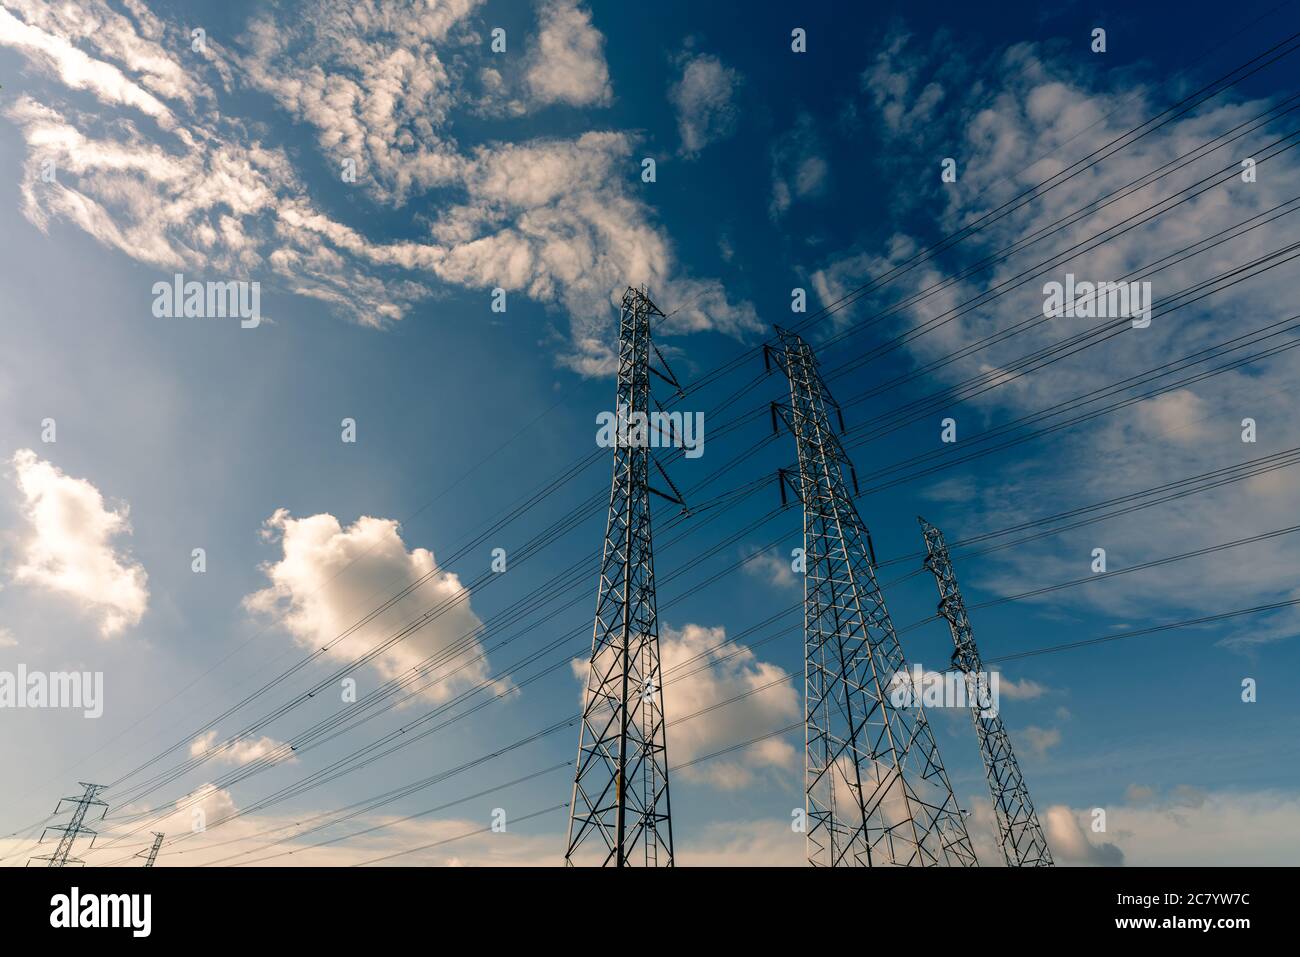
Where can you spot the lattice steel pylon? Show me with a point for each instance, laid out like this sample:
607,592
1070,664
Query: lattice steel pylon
876,792
74,828
150,854
620,790
1019,833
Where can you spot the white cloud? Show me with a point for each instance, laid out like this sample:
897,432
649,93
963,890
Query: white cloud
799,171
1038,740
318,602
704,101
1179,415
905,103
1071,840
701,668
69,546
1023,690
772,568
77,70
1032,103
553,218
690,685
762,843
371,78
7,639
1138,794
1186,827
379,83
239,752
566,62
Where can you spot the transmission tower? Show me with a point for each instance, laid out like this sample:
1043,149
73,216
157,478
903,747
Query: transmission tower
876,792
74,828
1019,834
151,854
620,789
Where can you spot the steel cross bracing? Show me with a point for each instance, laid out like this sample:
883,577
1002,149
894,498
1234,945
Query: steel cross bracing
876,792
619,814
74,828
1019,833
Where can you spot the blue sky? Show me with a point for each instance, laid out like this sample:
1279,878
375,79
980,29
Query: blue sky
521,170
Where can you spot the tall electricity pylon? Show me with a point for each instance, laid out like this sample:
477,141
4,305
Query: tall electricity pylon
876,792
620,788
1022,839
74,828
151,854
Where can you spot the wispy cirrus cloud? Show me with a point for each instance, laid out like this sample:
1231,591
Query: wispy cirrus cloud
1011,124
176,184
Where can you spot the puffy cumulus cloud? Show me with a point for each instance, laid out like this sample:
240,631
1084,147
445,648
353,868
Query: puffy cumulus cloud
1071,840
316,602
379,83
240,752
566,61
704,99
69,549
1029,115
702,669
207,805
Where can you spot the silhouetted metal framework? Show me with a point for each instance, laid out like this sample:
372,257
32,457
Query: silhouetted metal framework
876,792
619,814
151,854
1019,833
75,826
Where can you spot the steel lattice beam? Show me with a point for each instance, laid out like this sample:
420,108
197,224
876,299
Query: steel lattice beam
876,792
150,854
619,814
1019,833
